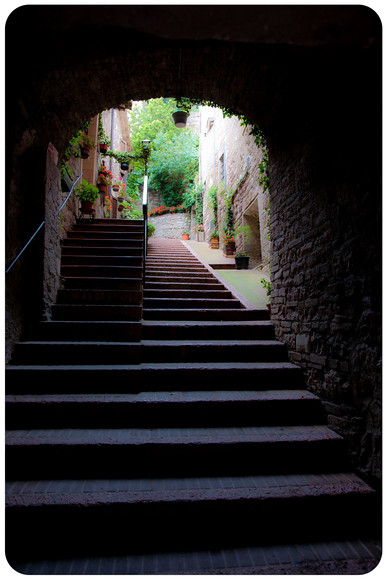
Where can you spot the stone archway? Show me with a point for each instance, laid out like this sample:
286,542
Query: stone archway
310,78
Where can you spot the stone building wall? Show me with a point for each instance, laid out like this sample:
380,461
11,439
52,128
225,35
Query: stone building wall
171,225
324,306
229,159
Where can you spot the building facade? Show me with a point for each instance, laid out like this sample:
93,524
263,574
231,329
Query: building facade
229,161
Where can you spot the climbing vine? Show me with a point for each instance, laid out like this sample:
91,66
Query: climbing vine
259,137
213,198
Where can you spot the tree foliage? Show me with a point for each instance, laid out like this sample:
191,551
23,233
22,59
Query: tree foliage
174,161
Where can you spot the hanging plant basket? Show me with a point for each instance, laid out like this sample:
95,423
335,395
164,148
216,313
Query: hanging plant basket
115,188
102,189
180,118
124,166
85,152
103,147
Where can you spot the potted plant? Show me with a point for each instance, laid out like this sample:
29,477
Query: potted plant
267,285
66,176
86,143
103,139
214,239
87,195
180,116
105,178
151,228
185,235
229,244
241,261
199,230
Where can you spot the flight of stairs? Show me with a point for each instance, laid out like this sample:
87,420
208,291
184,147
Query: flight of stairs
166,419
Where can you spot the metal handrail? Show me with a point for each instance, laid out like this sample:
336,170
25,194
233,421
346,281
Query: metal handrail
145,216
41,225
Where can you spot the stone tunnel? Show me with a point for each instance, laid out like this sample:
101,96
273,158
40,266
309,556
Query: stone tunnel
310,77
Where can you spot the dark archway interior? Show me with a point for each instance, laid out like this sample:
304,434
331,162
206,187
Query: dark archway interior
310,77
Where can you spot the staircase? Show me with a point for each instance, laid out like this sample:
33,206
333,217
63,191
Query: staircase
161,429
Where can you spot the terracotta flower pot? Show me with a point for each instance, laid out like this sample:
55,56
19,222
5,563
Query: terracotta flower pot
87,206
185,236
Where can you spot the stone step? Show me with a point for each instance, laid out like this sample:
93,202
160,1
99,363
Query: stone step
216,350
24,379
96,312
171,452
105,296
150,285
102,234
164,409
185,303
92,352
171,260
99,226
356,556
176,268
109,260
101,250
76,352
76,516
102,283
102,242
105,271
72,330
168,276
113,222
207,330
208,313
190,292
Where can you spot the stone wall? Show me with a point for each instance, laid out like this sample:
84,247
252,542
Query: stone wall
171,225
229,159
325,305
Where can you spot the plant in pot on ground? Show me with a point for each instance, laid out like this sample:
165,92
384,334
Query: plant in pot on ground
241,261
87,194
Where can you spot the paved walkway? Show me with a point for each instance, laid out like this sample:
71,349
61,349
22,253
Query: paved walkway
246,282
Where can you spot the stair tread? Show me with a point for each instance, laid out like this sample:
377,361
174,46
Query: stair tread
168,397
357,556
171,436
161,366
250,487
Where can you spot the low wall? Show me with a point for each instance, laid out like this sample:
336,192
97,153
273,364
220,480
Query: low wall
171,225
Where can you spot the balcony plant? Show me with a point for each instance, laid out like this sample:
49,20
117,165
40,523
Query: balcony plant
86,143
185,235
87,193
103,139
105,178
